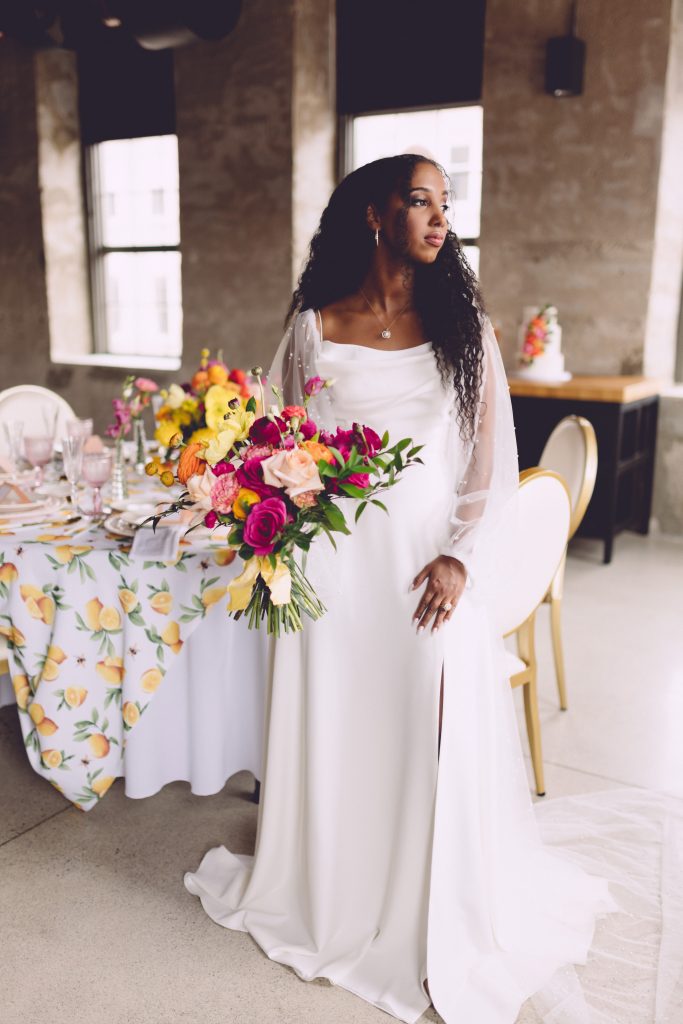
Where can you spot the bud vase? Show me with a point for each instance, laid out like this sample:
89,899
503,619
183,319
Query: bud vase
119,483
140,442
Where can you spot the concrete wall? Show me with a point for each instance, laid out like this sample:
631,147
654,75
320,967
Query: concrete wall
570,185
247,120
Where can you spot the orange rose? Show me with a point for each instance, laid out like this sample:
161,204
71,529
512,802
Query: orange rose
318,451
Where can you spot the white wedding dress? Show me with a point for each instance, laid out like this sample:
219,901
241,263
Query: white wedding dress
381,859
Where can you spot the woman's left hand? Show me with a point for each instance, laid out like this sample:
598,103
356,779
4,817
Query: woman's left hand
446,578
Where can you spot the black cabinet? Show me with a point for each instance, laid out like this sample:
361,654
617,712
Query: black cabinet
624,417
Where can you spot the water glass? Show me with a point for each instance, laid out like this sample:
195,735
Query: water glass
96,471
72,457
79,428
38,451
14,432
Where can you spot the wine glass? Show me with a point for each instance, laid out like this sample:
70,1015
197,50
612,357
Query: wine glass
96,471
79,428
14,432
38,451
72,457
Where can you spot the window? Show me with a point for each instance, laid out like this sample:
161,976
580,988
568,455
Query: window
452,136
135,246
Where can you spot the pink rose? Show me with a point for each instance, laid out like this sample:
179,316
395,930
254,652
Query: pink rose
295,470
257,451
146,385
314,386
264,524
224,491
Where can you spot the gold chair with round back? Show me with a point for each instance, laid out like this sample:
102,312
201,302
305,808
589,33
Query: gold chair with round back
572,451
529,547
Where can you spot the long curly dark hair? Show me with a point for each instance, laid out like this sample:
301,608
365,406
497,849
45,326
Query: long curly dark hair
446,294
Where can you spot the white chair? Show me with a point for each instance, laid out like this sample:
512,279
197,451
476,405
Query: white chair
572,451
529,548
35,407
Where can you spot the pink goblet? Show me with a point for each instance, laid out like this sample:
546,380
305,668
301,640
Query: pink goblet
96,471
38,451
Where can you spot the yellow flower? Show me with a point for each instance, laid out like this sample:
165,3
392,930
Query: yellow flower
217,404
244,500
202,435
219,446
241,421
278,581
51,758
150,680
166,432
162,602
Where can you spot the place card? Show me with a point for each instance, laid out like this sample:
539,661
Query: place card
160,545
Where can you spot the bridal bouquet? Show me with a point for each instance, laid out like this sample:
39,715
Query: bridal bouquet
195,410
276,481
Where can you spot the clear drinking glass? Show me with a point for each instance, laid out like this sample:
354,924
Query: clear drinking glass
72,457
14,432
96,471
79,428
38,451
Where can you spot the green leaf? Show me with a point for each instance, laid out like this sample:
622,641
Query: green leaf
251,405
376,501
352,491
335,519
385,439
361,508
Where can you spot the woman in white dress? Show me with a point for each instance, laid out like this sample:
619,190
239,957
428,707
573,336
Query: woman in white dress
397,851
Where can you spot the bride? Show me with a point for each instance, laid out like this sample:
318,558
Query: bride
397,851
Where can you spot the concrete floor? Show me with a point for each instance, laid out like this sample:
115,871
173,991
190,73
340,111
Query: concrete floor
95,923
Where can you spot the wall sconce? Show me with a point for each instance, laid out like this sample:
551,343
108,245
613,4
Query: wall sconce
565,57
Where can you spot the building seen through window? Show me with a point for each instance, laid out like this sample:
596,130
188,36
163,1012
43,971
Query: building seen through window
135,246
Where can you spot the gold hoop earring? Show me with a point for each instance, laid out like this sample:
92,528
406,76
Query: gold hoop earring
377,237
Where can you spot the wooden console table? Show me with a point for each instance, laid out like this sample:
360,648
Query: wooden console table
623,411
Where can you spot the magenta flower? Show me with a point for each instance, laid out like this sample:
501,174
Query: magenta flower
221,468
308,429
314,386
264,524
210,519
267,431
251,475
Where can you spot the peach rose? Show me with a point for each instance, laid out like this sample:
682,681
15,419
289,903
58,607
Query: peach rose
199,490
295,470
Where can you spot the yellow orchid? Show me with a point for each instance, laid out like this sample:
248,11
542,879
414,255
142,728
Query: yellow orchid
278,581
217,403
166,431
201,435
241,421
219,445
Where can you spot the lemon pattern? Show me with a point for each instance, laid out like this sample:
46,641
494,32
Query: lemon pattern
91,635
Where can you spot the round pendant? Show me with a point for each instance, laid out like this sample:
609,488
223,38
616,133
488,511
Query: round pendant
386,334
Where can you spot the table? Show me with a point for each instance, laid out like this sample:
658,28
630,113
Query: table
110,655
623,411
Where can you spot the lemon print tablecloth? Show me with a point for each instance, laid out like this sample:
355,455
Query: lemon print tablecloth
92,634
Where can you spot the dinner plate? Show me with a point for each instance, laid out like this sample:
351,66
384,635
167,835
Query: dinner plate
120,527
29,509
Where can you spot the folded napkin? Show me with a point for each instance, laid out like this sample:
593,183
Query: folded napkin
160,545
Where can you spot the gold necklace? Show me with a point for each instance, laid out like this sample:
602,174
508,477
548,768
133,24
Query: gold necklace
386,333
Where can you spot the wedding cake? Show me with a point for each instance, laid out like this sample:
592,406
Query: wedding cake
540,341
